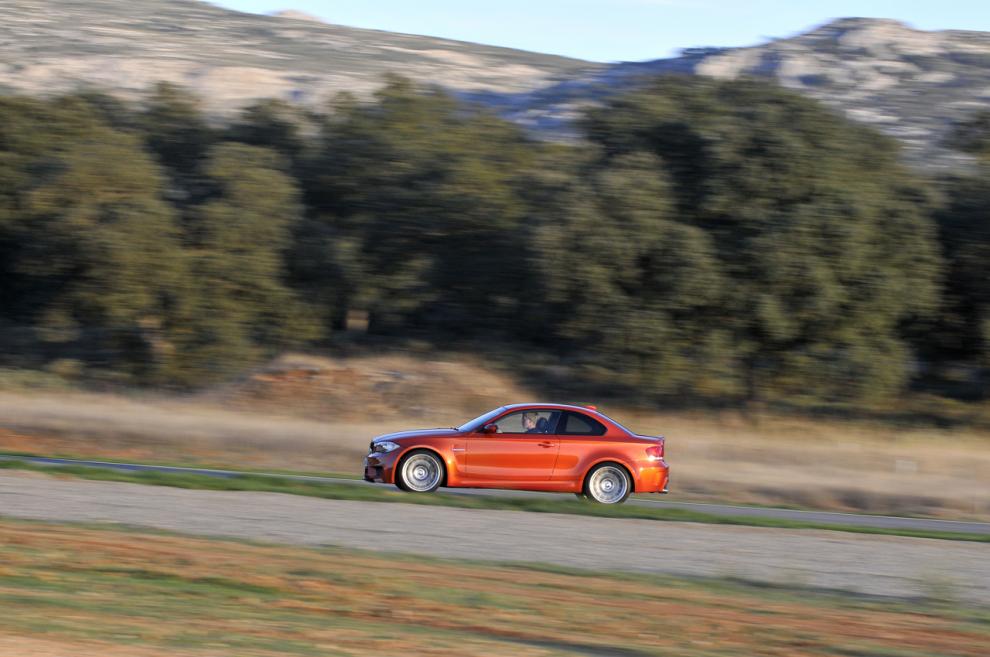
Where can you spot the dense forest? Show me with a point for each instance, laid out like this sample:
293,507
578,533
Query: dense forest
706,240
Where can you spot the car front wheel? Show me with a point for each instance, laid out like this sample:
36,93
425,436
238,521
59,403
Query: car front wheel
608,483
420,472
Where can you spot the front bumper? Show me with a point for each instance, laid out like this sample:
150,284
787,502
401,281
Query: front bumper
380,468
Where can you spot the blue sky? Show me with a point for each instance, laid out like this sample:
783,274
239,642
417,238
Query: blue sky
611,30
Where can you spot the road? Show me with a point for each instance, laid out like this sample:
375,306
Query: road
827,517
865,564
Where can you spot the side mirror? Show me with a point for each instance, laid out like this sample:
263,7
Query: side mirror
489,428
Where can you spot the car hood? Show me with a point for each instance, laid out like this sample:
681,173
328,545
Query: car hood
419,433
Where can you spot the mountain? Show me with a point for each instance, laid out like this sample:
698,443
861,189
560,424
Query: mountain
296,15
907,83
231,58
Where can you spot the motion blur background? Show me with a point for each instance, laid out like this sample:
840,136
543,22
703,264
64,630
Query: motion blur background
763,241
685,239
256,241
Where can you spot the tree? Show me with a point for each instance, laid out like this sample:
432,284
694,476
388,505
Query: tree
823,238
422,195
627,284
101,250
964,222
272,124
176,131
707,238
30,131
241,309
972,135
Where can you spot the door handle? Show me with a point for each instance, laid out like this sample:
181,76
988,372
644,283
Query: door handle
545,444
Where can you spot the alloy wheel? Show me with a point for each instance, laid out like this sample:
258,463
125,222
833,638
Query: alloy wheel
608,484
421,472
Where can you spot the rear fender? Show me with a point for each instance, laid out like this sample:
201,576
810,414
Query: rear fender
612,458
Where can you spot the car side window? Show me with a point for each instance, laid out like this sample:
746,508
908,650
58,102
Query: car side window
523,422
576,424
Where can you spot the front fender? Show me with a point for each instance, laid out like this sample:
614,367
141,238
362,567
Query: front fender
453,474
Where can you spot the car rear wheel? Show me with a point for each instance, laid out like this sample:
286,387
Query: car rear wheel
608,483
420,472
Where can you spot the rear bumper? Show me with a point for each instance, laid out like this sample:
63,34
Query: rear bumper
653,478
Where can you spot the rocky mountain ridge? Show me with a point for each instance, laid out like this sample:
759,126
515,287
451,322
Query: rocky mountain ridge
231,58
908,83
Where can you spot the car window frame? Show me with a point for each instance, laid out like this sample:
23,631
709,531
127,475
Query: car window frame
476,424
562,424
555,415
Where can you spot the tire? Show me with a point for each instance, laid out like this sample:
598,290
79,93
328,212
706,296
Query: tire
420,471
608,483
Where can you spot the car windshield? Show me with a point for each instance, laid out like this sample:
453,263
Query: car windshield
481,420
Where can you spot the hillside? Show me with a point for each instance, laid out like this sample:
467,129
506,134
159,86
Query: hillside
907,83
232,58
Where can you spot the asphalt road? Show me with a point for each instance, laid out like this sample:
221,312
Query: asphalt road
864,564
889,522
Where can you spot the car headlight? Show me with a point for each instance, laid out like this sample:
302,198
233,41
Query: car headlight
385,446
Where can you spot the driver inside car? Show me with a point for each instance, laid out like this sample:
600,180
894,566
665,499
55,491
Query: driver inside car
529,422
533,423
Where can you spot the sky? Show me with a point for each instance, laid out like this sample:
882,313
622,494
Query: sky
620,30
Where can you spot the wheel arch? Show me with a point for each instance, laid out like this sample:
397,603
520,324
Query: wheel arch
422,448
610,459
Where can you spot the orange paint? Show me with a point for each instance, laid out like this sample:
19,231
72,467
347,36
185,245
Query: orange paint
541,447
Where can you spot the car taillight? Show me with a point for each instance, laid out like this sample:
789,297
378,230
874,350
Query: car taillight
655,452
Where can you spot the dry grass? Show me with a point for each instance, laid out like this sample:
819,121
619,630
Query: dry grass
74,591
313,414
388,386
179,431
846,466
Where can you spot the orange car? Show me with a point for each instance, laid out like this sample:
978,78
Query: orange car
543,447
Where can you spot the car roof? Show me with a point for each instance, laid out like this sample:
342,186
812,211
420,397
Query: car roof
589,410
560,407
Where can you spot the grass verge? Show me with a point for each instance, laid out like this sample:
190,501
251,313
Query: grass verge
255,482
188,464
88,592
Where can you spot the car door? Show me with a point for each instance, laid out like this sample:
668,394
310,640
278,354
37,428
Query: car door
517,454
